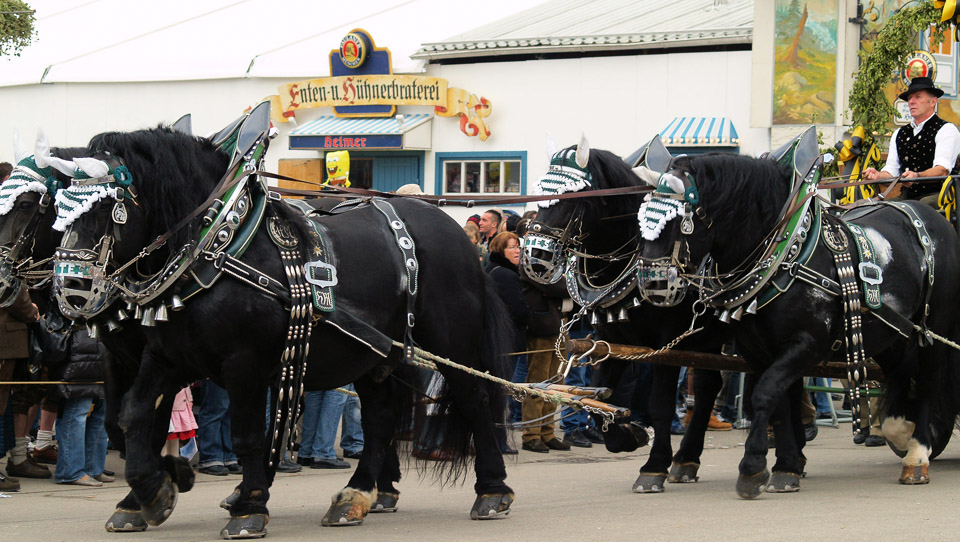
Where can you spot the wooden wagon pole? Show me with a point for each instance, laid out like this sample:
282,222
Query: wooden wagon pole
700,360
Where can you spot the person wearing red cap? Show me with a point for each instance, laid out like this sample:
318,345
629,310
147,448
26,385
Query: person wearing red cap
927,147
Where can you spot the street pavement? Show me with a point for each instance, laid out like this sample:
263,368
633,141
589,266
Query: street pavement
850,493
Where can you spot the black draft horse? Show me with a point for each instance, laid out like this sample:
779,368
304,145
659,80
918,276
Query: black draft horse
235,334
731,207
600,238
27,242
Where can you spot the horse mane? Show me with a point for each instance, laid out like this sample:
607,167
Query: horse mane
741,190
607,170
172,173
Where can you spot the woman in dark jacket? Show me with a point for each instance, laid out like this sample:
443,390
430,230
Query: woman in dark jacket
502,267
80,431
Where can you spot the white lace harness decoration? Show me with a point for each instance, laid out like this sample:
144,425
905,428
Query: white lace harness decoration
655,213
74,201
21,180
561,178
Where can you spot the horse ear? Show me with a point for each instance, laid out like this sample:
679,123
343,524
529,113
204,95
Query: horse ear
648,175
92,167
583,151
551,146
19,152
674,183
43,158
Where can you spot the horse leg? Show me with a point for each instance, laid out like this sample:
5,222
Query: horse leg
653,474
906,413
145,407
378,417
787,430
769,389
128,517
686,462
387,494
248,398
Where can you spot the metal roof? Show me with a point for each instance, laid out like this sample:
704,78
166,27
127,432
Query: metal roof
330,125
700,132
580,25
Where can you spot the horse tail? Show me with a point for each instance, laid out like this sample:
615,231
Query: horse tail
442,428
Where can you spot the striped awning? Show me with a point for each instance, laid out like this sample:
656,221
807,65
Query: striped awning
700,132
330,125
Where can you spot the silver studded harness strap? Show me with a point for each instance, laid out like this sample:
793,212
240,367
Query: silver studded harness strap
836,239
293,362
410,265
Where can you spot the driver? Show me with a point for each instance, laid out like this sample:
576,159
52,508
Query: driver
927,147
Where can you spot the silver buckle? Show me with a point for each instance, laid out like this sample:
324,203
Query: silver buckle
320,283
871,273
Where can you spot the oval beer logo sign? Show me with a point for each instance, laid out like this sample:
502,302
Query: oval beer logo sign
920,63
352,50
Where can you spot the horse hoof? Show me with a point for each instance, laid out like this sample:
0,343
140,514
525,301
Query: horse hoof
163,504
491,506
683,473
750,487
349,507
913,476
783,482
650,483
386,502
230,500
249,526
125,521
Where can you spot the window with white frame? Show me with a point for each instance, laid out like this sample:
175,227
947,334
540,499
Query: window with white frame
481,175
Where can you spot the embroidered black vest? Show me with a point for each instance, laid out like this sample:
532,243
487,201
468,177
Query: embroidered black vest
916,153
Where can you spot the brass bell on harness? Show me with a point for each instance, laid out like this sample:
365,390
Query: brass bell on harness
636,302
737,313
622,317
122,315
176,303
725,317
594,318
610,318
752,307
113,326
161,315
148,318
94,331
137,312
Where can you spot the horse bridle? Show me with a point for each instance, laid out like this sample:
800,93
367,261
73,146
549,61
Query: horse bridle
554,242
663,281
14,273
92,263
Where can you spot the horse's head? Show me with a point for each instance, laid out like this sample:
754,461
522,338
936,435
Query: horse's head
585,225
129,190
26,216
91,214
720,205
672,248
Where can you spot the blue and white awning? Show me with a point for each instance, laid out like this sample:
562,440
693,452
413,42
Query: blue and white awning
398,132
700,132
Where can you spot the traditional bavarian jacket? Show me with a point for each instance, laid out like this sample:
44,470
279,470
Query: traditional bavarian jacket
917,147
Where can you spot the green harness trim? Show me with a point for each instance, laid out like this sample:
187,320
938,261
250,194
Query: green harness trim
871,276
320,271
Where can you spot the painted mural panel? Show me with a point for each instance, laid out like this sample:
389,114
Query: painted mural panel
805,72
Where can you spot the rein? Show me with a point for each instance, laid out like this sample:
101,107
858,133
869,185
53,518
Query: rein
460,200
